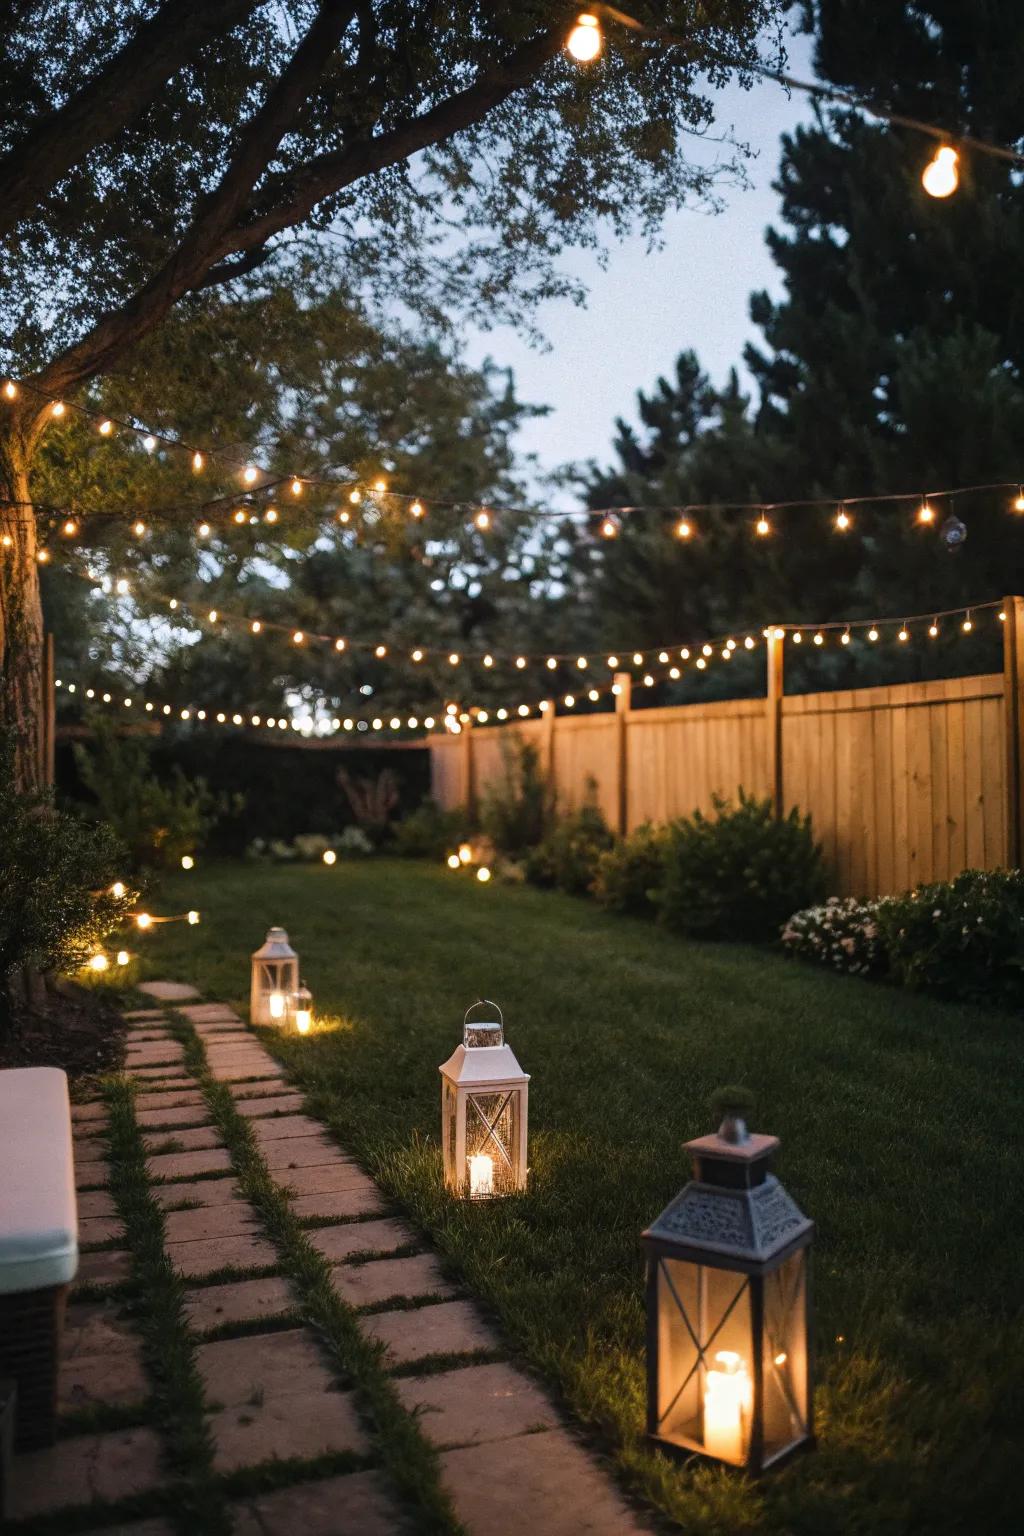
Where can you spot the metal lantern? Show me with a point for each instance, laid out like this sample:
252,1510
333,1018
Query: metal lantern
275,977
483,1112
302,1009
728,1308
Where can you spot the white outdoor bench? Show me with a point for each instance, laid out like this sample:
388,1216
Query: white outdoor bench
38,1240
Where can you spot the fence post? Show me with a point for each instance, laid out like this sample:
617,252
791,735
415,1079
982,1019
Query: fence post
773,702
468,767
1013,725
547,746
623,704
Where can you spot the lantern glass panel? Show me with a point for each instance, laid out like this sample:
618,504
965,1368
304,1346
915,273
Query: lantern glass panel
492,1142
705,1359
785,1356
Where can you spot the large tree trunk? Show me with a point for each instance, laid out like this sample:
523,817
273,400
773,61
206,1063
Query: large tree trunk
21,612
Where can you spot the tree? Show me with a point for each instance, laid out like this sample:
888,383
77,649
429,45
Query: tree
154,156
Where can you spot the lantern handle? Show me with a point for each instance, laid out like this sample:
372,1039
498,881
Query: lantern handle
483,1002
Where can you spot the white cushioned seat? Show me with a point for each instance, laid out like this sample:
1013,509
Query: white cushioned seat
38,1209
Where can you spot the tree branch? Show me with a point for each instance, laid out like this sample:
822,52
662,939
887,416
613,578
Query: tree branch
221,232
56,142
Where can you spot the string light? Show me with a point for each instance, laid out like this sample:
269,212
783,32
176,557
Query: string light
763,526
197,463
584,41
940,177
417,509
1018,500
609,528
903,634
57,408
11,390
483,520
684,529
106,428
872,633
70,528
842,520
967,624
187,861
925,513
933,629
296,487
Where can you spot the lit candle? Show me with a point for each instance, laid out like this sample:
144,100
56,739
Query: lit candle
481,1174
727,1397
303,1019
277,1005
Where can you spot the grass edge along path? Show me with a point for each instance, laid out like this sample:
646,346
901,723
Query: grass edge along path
411,1461
198,1505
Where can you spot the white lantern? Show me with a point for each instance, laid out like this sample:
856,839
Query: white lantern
483,1112
302,1009
275,977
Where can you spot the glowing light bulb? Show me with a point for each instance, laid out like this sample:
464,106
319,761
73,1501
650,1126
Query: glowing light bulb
123,957
241,516
270,515
609,528
106,427
903,635
925,513
149,443
138,529
249,474
581,662
380,650
872,634
819,638
940,176
355,497
70,527
380,485
417,509
798,638
197,463
488,660
11,390
117,889
763,526
638,657
143,920
43,556
701,663
584,41
684,529
98,963
57,408
296,487
204,530
706,649
7,541
187,861
454,862
330,857
454,658
613,661
417,654
275,1005
520,662
748,643
933,629
339,645
193,917
844,638
551,663
1018,500
842,520
967,626
483,520
483,874
298,637
465,853
212,615
255,626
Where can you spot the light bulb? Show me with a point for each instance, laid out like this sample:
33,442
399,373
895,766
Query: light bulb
967,626
204,530
270,515
453,659
138,529
570,701
903,635
488,660
842,520
417,654
763,526
117,889
454,862
149,443
483,520
249,474
339,645
925,513
43,556
298,637
638,658
256,626
684,529
613,661
872,634
212,615
417,509
193,918
1018,500
144,920
330,857
241,516
609,528
933,630
70,527
483,874
187,861
296,487
380,650
98,963
581,662
819,638
465,853
551,663
57,408
11,390
940,176
197,462
844,638
520,662
106,427
355,497
584,41
123,957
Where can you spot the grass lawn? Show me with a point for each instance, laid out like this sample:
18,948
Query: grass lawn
900,1121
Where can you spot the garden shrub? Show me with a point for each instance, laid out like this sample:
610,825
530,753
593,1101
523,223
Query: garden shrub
740,874
157,820
56,873
961,938
568,857
629,873
428,832
518,806
843,934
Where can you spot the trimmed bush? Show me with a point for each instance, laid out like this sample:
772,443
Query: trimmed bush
518,809
428,832
630,873
735,876
568,857
962,938
843,934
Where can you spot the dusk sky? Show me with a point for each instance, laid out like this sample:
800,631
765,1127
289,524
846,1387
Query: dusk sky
645,308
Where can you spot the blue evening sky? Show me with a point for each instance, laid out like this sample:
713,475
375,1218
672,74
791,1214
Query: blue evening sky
644,308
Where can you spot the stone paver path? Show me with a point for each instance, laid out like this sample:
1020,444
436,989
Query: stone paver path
271,1390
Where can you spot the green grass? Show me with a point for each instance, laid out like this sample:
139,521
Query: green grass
900,1124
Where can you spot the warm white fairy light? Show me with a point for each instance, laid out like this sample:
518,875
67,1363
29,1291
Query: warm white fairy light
204,530
842,520
298,637
763,526
933,629
187,861
683,529
250,474
967,625
11,390
149,443
197,462
925,514
872,633
904,634
483,520
584,41
106,428
255,626
417,510
940,177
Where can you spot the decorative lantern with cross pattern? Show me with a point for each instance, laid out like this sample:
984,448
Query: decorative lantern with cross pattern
275,979
483,1112
728,1309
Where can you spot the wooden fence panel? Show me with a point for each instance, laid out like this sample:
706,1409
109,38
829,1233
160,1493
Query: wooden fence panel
905,784
677,759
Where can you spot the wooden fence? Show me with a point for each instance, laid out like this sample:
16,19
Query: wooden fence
906,783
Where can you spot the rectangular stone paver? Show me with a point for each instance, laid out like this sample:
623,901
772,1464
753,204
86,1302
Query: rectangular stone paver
173,1114
96,1202
185,1165
238,1301
276,1399
229,1219
173,1098
365,1285
85,1469
270,1104
96,1328
545,1483
279,1126
199,1192
154,1053
236,1071
358,1504
344,1204
340,1243
188,1139
476,1403
324,1178
113,1379
98,1229
168,991
108,1267
145,1013
92,1175
444,1328
259,1090
202,1011
207,1256
300,1152
94,1110
174,1076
